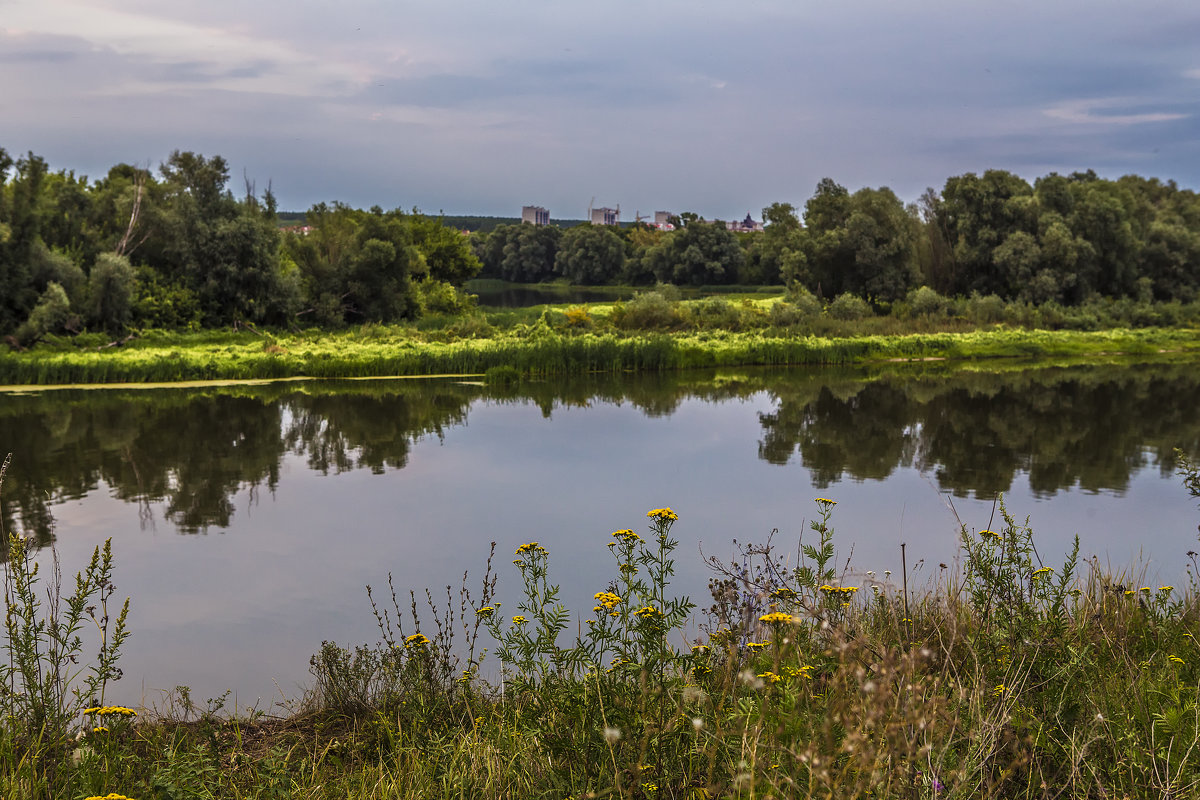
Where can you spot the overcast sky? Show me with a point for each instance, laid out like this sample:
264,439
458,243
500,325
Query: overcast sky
719,108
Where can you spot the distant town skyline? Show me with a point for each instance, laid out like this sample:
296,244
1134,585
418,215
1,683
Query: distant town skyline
477,109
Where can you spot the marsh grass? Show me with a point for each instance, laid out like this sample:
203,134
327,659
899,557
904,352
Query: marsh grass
653,331
1004,676
543,348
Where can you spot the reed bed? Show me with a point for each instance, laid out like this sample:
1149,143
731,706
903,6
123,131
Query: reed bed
539,351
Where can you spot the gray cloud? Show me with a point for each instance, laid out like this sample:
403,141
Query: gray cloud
477,107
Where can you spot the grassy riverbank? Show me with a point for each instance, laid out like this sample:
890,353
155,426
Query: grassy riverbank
537,349
1001,677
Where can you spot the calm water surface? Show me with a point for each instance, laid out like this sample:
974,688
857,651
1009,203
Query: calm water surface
247,520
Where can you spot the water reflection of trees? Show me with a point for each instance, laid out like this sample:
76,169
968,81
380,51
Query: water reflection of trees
1086,427
192,451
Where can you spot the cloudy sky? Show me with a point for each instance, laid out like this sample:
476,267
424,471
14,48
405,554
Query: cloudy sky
719,108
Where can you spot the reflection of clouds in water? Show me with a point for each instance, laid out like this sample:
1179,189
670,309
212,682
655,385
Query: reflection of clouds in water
252,601
239,609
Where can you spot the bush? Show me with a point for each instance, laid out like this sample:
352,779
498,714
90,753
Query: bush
849,307
439,297
716,312
647,311
795,308
926,302
985,309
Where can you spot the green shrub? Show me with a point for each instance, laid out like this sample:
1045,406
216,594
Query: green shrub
926,302
848,307
647,311
984,309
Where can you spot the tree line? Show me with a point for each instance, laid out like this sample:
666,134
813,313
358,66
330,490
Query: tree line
1063,239
177,249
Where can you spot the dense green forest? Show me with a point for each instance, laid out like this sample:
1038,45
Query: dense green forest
179,250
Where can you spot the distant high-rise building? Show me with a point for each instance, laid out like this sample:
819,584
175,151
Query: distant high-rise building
535,215
605,216
662,220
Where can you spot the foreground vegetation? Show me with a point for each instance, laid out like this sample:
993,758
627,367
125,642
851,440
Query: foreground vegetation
1003,677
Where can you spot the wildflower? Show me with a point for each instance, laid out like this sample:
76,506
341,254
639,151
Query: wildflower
648,612
486,611
697,723
1145,589
519,619
1129,592
999,690
626,536
104,711
989,533
1037,573
757,645
775,616
798,672
700,649
769,677
629,569
111,796
532,547
1176,659
416,640
662,515
99,729
1166,589
784,593
607,600
825,501
650,788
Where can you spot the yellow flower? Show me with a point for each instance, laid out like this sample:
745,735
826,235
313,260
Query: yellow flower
1145,589
104,711
626,535
607,599
757,645
775,616
1176,659
486,611
1129,592
99,729
769,677
416,640
989,533
519,619
662,514
648,612
825,501
532,547
1037,573
112,796
999,690
784,593
1166,589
